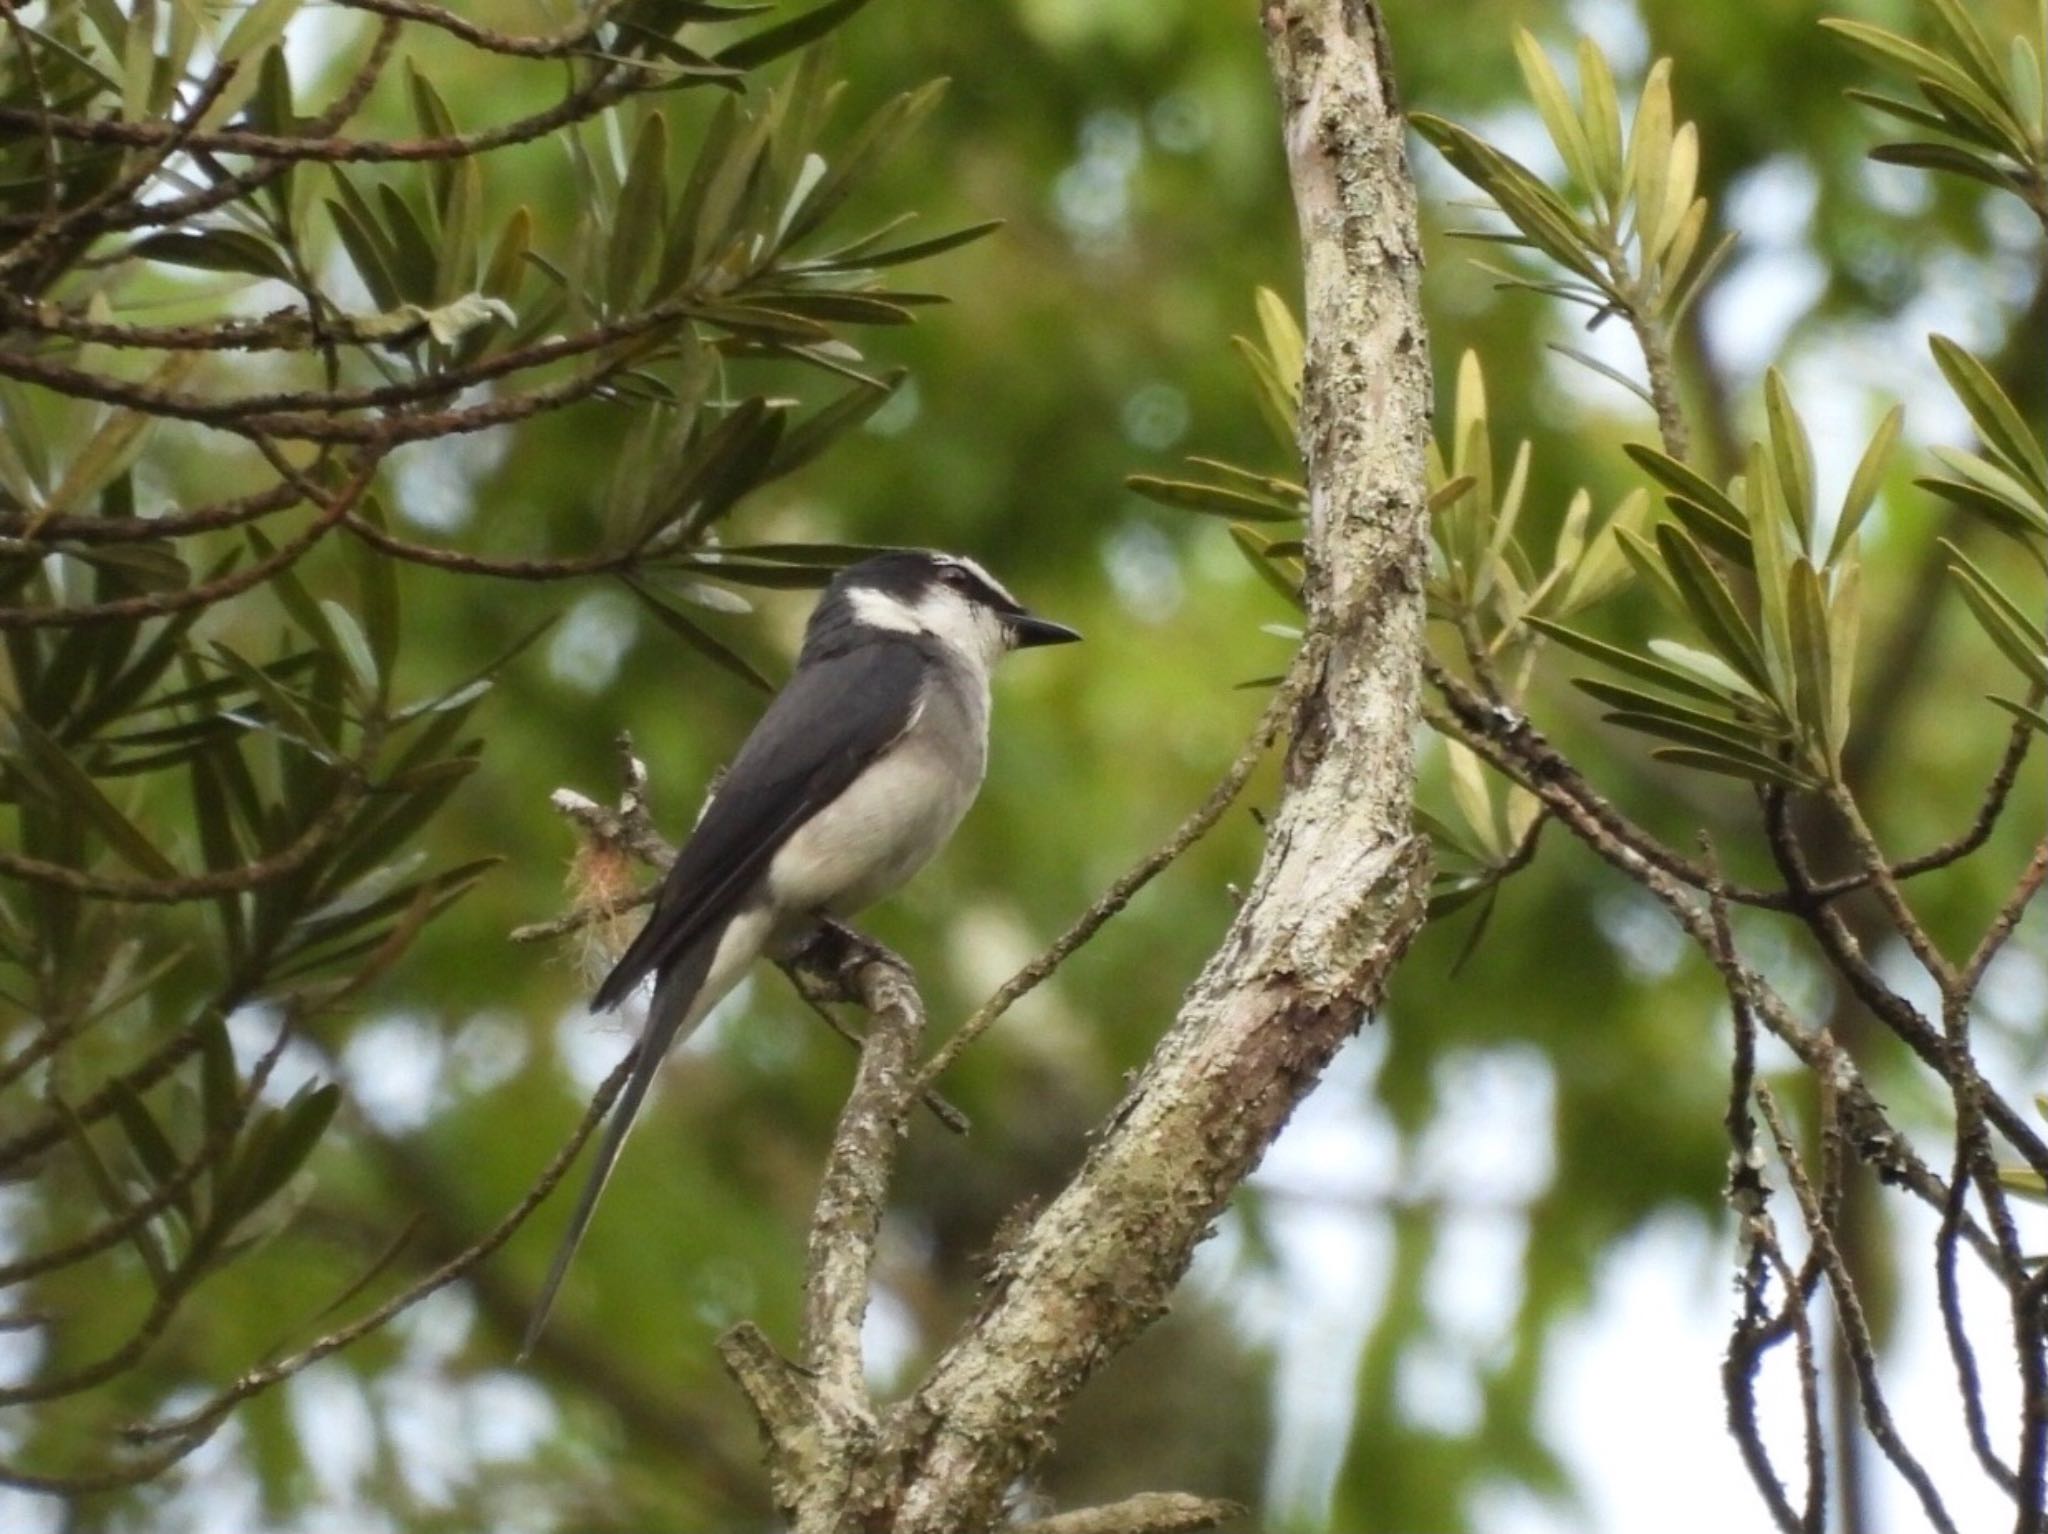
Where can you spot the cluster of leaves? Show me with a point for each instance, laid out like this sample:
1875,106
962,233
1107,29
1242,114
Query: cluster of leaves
1628,227
1988,118
2006,484
1485,582
1766,589
220,783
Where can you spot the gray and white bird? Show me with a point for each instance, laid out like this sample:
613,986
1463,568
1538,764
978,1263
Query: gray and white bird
856,775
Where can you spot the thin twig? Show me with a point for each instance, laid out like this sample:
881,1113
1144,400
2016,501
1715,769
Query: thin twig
1855,1327
1279,709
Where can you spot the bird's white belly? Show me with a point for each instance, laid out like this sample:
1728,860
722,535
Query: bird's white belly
880,831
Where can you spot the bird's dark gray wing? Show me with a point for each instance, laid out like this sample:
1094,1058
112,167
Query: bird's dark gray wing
836,715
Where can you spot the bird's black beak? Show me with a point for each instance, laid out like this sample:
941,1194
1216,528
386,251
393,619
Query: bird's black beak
1028,629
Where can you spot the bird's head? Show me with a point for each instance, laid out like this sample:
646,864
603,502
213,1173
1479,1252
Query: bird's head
944,597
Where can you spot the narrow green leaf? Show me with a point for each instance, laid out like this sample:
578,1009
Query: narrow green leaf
1791,455
1630,663
2010,627
639,233
2032,717
918,250
1686,481
1729,540
1897,52
266,1167
1648,565
218,843
415,257
810,437
1545,218
2004,429
1683,732
1748,734
1258,554
1712,605
153,1149
1555,107
216,250
1735,764
354,647
1212,500
1971,50
1950,158
220,1085
368,251
788,36
111,1197
259,26
377,592
699,639
75,789
1649,151
506,268
1285,346
1866,482
1612,374
1710,669
1845,620
1602,114
1769,518
1813,667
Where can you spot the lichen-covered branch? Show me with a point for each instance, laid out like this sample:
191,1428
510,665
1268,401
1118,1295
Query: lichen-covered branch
1340,891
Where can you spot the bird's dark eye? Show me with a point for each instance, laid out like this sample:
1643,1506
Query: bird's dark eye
955,577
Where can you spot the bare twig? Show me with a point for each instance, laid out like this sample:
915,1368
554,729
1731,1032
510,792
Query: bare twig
1191,830
1849,1316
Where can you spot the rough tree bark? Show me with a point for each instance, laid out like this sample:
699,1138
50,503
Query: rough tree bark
1338,895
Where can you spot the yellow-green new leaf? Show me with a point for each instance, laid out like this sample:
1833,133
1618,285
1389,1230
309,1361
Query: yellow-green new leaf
1866,482
1555,108
1649,150
1602,114
1468,791
1284,344
1972,50
1681,177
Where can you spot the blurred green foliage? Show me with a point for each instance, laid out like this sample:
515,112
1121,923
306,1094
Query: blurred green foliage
1129,147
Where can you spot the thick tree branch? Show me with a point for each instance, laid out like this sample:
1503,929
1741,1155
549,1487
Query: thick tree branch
1341,889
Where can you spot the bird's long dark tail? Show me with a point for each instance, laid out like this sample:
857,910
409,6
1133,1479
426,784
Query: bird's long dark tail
676,1000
